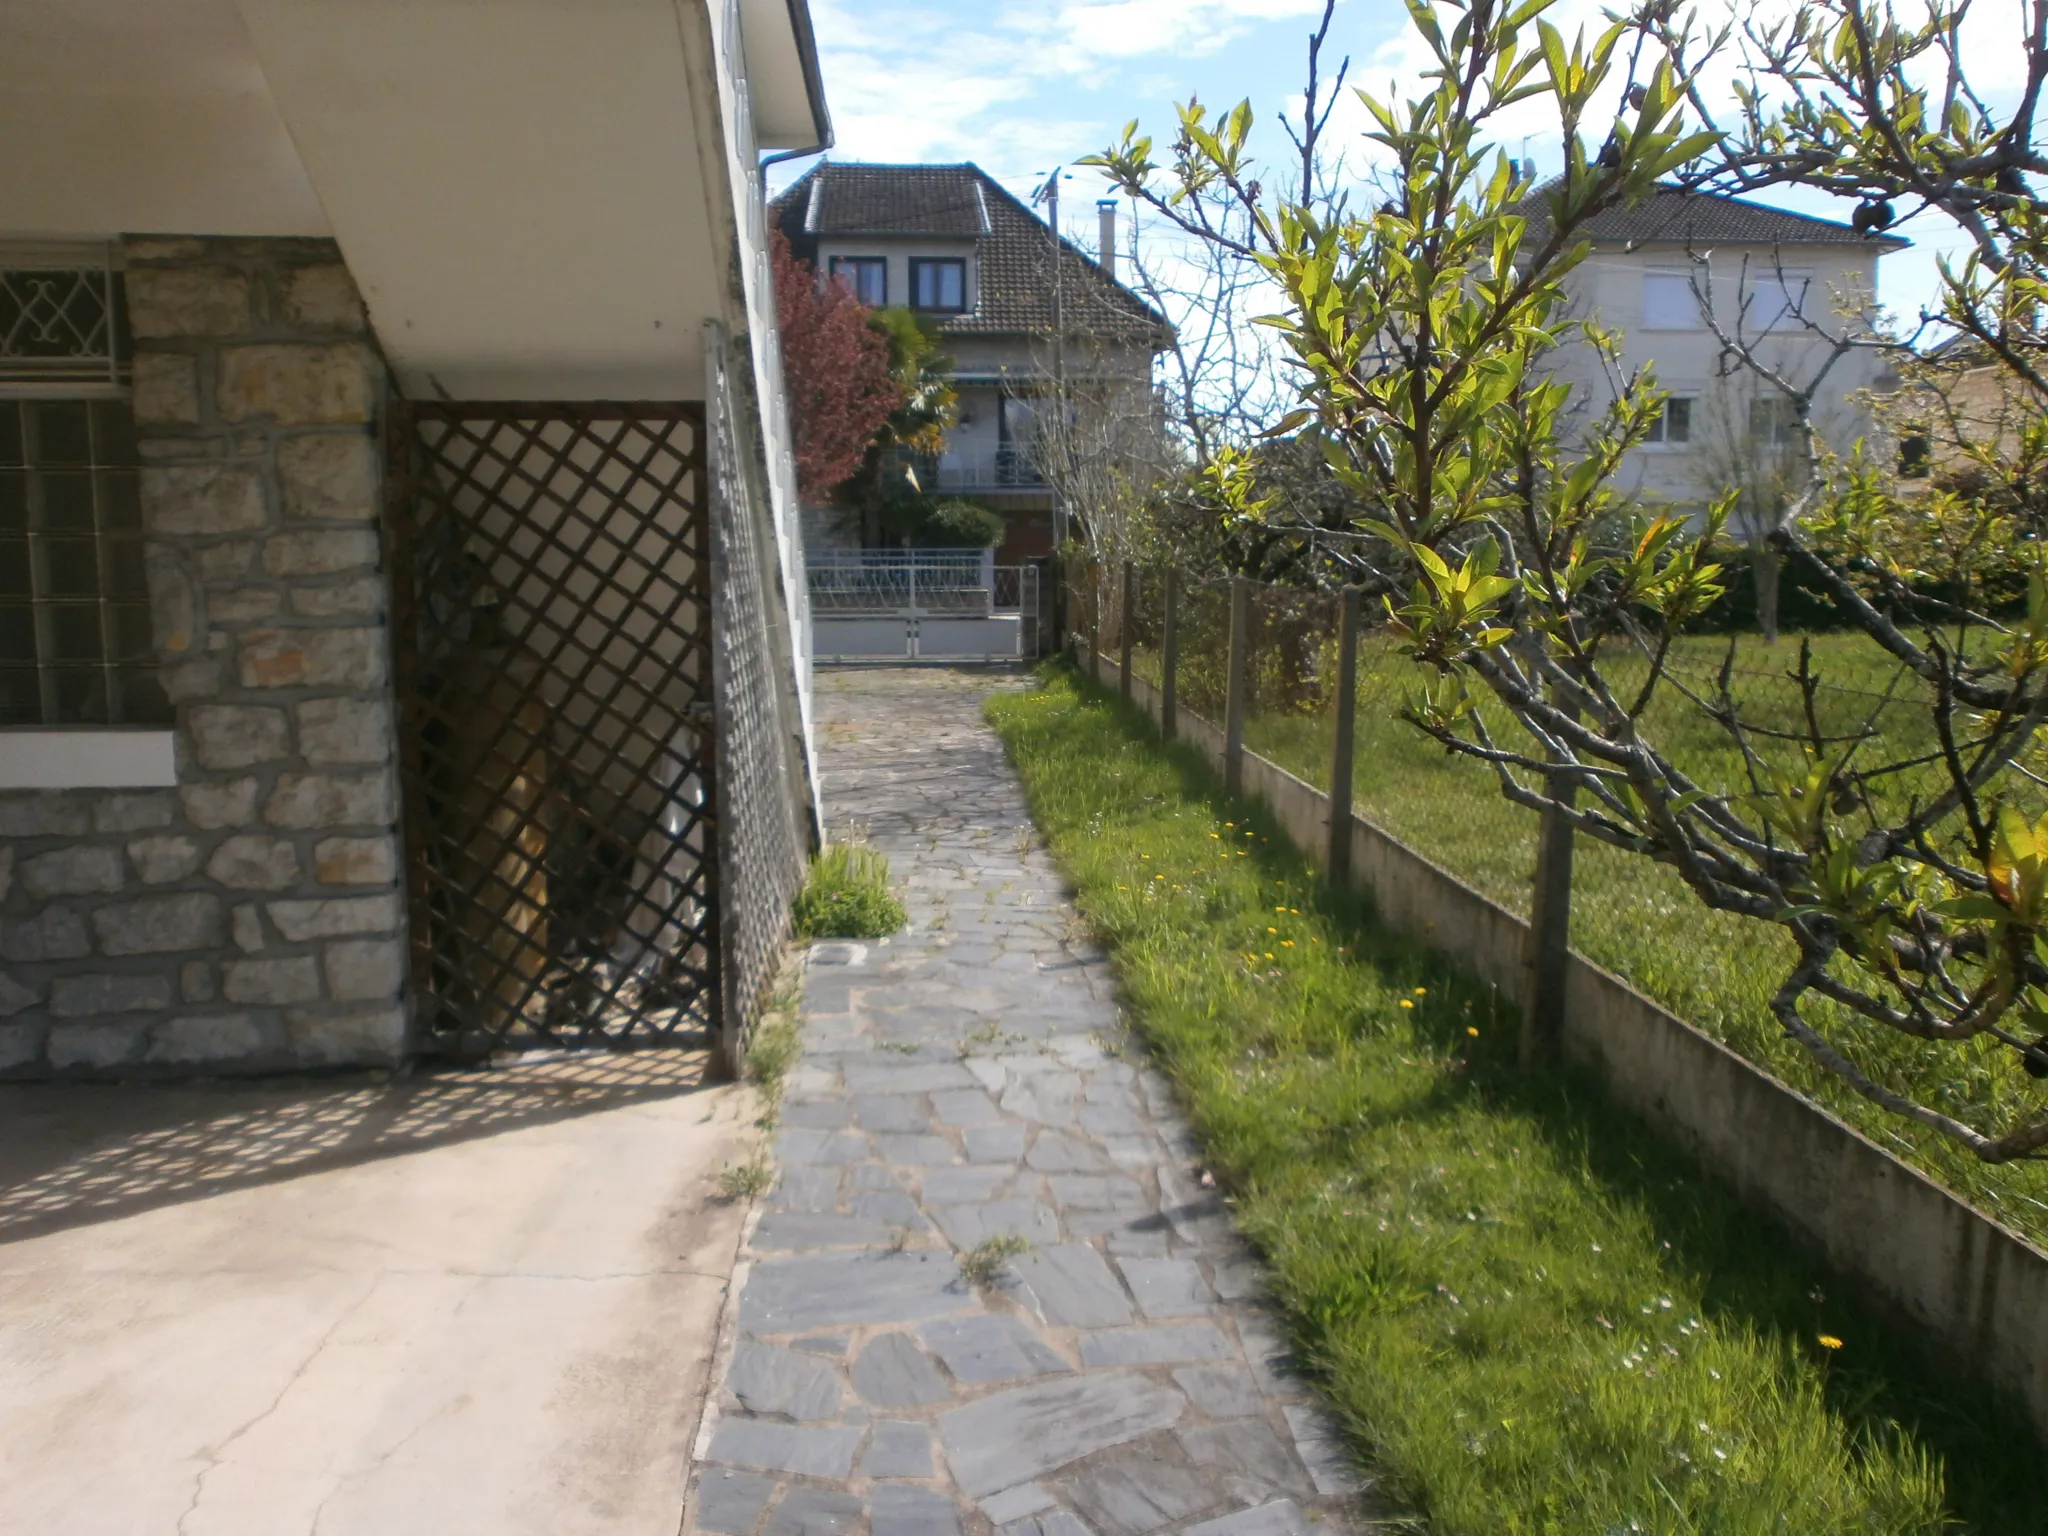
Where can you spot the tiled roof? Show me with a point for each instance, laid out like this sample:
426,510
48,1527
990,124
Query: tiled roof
1670,215
1014,248
893,200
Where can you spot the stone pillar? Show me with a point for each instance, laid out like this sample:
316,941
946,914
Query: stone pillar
253,918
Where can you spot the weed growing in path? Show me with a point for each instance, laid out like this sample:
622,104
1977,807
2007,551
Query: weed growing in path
777,1039
847,896
1535,1318
746,1181
984,1263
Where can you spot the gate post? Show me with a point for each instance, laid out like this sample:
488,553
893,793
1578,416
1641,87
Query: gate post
1550,918
1233,696
1124,628
1338,862
1169,657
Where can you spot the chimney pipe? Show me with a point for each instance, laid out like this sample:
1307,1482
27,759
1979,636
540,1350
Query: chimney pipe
1105,210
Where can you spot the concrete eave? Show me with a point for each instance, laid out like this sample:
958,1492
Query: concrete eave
537,198
787,85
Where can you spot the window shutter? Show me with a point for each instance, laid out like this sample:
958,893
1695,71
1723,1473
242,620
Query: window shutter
1668,302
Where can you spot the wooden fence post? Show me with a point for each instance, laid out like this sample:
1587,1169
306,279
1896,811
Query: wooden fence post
1169,657
1094,622
1338,860
1125,629
1233,695
1550,934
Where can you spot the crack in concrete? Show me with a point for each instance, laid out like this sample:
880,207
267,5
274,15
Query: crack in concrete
342,1482
219,1453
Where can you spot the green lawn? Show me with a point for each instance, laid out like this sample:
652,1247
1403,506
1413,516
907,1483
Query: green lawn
1534,1317
1637,918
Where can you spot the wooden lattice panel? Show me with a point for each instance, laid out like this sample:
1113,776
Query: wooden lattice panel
552,574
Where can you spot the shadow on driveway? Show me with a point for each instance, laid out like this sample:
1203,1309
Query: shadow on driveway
73,1154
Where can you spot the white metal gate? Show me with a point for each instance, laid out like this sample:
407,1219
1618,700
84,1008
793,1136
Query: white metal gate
920,605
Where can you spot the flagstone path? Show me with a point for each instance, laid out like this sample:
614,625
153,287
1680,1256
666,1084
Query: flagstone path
968,1079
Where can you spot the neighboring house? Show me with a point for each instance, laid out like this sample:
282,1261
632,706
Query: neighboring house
1765,273
401,613
948,242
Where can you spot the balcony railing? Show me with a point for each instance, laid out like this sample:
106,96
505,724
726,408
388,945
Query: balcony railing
1005,469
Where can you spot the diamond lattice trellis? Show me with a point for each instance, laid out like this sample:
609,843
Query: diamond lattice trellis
552,574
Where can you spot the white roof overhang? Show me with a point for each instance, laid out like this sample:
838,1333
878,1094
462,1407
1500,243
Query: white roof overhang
537,197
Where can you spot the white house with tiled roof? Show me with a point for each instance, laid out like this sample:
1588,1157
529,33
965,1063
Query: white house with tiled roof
949,242
1766,273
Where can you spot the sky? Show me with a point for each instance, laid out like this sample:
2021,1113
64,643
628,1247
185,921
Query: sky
1023,86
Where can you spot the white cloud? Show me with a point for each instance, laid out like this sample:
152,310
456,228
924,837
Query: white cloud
920,80
1017,85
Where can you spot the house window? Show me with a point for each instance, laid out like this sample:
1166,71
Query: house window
1773,422
75,645
1673,423
1669,303
1778,301
865,277
939,283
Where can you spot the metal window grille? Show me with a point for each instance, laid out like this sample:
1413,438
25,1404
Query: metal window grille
63,324
75,643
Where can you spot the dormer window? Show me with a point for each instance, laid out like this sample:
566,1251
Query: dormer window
865,277
938,284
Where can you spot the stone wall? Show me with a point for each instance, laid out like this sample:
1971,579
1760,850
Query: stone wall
252,918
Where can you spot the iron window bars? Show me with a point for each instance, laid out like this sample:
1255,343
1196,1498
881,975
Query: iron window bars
75,642
63,324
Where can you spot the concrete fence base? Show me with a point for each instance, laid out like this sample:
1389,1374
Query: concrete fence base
1977,1292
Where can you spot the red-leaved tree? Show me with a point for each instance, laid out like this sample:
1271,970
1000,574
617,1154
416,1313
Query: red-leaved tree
836,368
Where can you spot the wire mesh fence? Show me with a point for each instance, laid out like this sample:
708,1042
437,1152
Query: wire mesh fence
1820,691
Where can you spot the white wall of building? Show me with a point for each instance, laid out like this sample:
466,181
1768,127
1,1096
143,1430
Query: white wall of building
1644,297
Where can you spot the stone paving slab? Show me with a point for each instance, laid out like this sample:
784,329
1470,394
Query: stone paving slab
970,1079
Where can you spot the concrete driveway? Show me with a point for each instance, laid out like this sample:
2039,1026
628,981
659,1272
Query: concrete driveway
479,1303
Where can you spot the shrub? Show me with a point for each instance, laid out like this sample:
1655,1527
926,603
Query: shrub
962,525
847,897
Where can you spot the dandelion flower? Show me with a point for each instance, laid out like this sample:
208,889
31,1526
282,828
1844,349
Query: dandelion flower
1422,991
1287,943
1272,930
1829,1341
1406,1004
1471,1031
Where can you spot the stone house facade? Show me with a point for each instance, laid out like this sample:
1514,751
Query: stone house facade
250,910
203,862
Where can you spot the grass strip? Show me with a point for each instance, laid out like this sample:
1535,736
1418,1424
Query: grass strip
1636,917
1532,1315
